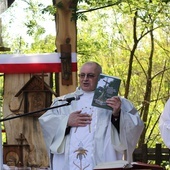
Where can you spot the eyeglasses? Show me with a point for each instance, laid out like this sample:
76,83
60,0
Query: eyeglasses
89,75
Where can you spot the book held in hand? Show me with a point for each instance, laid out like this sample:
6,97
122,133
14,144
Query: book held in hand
107,87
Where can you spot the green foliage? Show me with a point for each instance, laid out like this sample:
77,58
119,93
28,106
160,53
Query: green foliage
97,3
50,9
110,40
81,17
31,25
32,22
111,36
45,45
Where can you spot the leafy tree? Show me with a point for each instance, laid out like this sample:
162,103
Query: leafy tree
136,53
130,39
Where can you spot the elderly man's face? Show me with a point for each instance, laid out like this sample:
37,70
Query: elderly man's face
88,77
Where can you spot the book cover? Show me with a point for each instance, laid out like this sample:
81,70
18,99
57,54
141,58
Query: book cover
107,87
123,164
115,165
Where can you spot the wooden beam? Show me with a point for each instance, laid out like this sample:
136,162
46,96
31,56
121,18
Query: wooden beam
66,29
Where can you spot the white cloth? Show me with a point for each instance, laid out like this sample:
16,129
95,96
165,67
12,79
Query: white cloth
82,138
164,124
107,145
5,167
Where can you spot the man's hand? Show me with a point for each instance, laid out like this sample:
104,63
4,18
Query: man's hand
76,119
115,103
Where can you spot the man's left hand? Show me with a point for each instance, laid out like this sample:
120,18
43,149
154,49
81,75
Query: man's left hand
115,103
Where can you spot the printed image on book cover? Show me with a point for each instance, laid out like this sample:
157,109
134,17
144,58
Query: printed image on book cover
107,87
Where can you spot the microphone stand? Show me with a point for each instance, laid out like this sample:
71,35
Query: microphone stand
22,115
34,112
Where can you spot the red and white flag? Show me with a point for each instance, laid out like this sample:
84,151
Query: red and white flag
33,63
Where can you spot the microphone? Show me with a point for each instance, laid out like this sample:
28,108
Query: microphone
70,99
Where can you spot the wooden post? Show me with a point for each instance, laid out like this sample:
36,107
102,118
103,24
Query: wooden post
66,29
158,153
144,153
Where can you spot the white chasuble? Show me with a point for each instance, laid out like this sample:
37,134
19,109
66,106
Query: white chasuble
85,147
81,141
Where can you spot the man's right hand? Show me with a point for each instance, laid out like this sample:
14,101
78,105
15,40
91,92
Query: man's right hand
76,119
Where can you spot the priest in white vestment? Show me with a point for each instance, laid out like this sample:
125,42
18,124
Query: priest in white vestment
79,136
164,124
